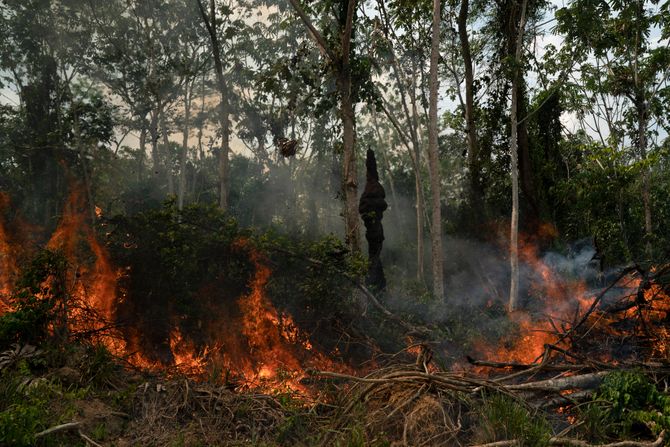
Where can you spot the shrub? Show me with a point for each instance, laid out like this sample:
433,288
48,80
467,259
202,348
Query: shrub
627,404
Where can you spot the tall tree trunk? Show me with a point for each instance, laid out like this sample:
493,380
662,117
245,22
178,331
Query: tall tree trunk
184,147
514,225
350,179
646,187
201,121
83,161
433,161
474,165
142,154
168,154
420,210
340,59
421,216
224,107
153,132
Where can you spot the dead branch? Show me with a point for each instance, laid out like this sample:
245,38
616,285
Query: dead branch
511,442
88,440
583,381
57,428
579,443
596,301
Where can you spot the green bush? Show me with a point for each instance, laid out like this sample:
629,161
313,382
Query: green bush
626,405
39,292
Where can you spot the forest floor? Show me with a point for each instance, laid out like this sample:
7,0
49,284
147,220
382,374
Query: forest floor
83,396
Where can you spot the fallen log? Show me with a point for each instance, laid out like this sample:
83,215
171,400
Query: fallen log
583,381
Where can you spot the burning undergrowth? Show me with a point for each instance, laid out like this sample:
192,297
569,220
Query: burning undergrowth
178,292
192,293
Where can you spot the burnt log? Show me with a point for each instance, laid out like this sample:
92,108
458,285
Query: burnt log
371,207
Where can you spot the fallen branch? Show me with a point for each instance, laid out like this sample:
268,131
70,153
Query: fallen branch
579,443
57,428
511,442
88,440
584,381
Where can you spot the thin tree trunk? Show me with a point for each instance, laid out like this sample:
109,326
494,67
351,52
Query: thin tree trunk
224,107
153,131
184,147
646,187
340,60
433,161
201,121
514,226
168,155
87,179
474,165
350,179
142,154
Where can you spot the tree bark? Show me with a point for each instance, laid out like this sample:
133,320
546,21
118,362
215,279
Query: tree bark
153,132
184,147
514,225
168,156
142,154
646,194
474,165
433,161
340,59
350,179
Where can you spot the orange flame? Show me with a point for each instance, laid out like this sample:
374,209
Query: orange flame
8,256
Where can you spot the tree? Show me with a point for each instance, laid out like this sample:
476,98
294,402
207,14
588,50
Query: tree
434,166
210,23
514,225
339,56
474,164
406,53
625,74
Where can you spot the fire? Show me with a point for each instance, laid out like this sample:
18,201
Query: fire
7,257
636,307
259,348
553,301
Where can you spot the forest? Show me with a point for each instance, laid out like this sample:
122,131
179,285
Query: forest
335,223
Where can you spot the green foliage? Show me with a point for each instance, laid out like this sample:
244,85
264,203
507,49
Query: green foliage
27,408
505,418
601,198
185,268
97,365
40,290
313,281
627,404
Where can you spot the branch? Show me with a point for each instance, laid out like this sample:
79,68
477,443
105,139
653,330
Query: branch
591,380
348,30
57,428
579,443
318,38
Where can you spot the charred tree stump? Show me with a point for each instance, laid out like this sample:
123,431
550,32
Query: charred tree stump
371,208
